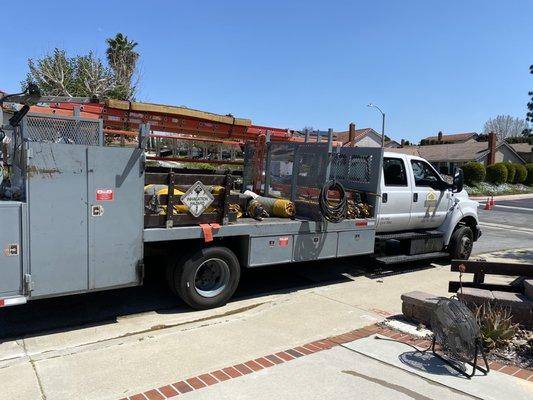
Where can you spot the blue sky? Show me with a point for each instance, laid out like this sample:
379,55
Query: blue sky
429,65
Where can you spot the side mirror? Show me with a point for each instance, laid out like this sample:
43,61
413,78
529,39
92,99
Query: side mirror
458,181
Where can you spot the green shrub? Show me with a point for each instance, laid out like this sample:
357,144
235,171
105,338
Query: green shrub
521,173
474,172
496,326
511,171
496,173
529,177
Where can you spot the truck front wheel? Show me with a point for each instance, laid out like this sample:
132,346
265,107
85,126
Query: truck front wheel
207,278
461,242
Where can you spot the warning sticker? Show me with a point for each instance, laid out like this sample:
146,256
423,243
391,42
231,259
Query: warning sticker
283,241
104,195
197,198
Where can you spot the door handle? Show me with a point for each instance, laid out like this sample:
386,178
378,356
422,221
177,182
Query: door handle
415,197
384,198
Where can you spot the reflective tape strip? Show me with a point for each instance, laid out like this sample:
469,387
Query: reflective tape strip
12,301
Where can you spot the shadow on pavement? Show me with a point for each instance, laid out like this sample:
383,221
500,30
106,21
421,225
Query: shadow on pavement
427,362
74,312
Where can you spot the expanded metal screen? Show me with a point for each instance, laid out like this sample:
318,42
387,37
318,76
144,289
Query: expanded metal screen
67,130
355,167
280,166
248,171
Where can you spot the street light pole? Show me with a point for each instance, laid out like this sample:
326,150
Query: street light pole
382,123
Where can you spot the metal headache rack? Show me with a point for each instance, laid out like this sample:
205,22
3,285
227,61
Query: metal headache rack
67,130
299,171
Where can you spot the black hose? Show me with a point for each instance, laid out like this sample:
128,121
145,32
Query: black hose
333,211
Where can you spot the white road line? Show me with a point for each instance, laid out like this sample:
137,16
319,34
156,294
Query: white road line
512,207
506,227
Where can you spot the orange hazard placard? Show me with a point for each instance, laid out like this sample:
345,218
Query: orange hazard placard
104,195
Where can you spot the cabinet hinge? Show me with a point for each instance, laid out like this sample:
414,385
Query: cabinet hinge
28,284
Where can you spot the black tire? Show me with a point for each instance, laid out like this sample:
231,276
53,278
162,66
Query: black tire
206,278
461,243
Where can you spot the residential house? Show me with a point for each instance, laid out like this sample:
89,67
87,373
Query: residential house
447,157
365,137
524,150
441,138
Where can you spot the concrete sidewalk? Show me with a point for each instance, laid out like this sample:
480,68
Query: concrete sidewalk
145,351
366,369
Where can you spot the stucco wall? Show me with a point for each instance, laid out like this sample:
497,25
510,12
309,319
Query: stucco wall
368,141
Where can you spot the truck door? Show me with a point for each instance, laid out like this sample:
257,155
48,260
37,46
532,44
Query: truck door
430,204
395,207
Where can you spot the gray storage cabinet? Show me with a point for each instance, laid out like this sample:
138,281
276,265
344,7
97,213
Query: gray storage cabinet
11,242
85,217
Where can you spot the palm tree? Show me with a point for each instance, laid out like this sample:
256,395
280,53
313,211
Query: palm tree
122,59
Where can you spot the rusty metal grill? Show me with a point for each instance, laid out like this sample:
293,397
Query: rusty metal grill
67,130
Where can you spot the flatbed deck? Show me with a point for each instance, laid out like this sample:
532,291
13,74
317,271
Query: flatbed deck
252,227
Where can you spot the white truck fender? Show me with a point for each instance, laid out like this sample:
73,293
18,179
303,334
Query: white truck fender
461,210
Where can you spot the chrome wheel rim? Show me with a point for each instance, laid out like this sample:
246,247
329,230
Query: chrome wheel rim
466,247
211,278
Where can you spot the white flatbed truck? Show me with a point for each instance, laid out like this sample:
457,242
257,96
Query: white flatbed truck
73,219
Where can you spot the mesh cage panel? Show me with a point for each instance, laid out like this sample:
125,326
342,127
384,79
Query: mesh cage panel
281,169
355,168
248,170
62,130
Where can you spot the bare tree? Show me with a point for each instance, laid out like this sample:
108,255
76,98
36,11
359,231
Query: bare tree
92,77
505,126
54,74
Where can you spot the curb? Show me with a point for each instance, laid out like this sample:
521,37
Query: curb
504,197
248,367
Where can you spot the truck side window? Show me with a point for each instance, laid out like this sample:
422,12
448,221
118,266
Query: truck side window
394,172
424,174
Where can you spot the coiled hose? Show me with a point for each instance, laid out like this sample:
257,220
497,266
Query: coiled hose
333,211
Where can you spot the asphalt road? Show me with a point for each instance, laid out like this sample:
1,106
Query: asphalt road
503,228
508,225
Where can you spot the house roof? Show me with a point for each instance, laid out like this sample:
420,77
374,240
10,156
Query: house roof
522,147
470,151
456,137
344,136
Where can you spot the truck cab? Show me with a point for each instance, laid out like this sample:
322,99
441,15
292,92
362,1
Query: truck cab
416,199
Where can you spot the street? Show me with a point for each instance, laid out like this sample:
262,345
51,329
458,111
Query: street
102,341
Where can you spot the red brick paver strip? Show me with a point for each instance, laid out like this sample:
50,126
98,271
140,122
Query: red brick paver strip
221,375
154,395
195,383
243,369
524,374
274,359
139,396
232,372
294,353
285,356
264,362
208,379
168,391
251,366
182,387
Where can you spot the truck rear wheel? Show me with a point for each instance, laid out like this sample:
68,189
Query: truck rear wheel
207,278
461,243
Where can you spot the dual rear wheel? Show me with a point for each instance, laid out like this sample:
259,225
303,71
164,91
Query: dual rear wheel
205,278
